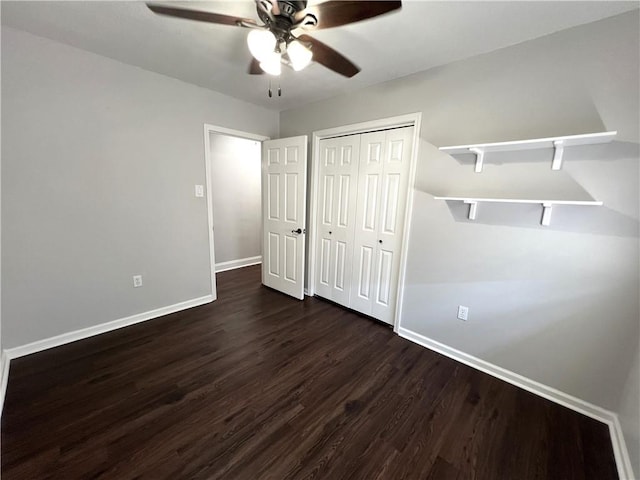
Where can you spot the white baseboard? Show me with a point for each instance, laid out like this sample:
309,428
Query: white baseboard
620,451
241,262
69,337
4,379
610,418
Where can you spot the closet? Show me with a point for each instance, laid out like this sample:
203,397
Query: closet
363,188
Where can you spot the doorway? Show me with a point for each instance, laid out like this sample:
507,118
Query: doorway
233,176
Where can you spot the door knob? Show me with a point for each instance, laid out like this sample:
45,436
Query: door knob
298,231
379,241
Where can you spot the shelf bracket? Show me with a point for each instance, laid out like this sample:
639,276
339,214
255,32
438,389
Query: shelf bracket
558,145
479,158
473,209
546,214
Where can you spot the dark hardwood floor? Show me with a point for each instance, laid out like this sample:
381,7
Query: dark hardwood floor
261,386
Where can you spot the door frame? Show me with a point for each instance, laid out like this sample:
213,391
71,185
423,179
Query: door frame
408,120
208,130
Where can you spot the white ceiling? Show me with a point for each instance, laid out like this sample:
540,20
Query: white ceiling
424,34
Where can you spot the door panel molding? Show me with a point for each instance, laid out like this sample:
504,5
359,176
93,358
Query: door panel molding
411,119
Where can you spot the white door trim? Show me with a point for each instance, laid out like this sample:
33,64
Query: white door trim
408,120
209,129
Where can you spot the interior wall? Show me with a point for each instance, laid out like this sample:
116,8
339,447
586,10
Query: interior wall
237,197
556,304
100,160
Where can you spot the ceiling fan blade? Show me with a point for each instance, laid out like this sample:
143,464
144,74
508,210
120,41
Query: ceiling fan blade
327,56
338,12
201,16
254,67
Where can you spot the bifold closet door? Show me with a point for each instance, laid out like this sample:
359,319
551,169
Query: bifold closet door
338,171
383,183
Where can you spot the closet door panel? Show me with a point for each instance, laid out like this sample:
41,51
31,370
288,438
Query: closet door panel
370,202
390,200
370,177
323,260
323,264
341,269
364,272
384,280
393,200
338,171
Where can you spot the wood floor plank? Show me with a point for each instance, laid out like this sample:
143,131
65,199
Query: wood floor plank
258,385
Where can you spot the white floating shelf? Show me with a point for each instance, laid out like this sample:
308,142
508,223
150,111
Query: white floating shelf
522,200
557,143
547,205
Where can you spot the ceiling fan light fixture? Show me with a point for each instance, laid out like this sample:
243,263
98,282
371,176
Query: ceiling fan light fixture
272,64
299,55
280,18
262,44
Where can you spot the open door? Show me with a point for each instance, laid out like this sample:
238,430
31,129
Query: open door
284,210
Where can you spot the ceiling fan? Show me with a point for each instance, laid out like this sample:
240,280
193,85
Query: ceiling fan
273,43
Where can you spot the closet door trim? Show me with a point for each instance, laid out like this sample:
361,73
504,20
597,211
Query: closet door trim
408,120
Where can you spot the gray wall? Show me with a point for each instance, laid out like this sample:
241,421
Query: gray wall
557,304
99,165
237,212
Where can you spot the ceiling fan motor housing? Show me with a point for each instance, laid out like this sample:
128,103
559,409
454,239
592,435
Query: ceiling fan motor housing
280,24
288,9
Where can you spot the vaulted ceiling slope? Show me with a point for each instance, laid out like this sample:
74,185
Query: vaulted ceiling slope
420,36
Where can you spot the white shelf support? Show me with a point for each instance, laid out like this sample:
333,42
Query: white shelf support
546,214
479,158
547,205
473,209
558,146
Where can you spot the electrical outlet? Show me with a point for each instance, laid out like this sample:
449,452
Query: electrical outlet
137,281
199,190
463,312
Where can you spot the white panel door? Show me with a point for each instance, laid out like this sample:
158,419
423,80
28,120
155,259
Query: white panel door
337,181
382,195
284,193
370,172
